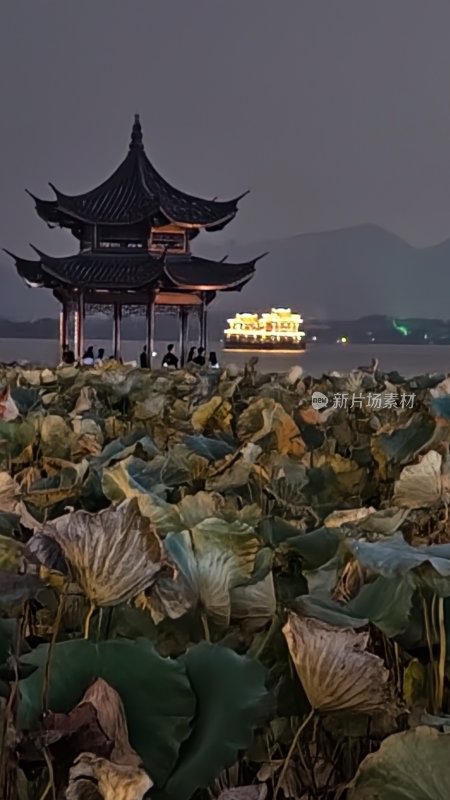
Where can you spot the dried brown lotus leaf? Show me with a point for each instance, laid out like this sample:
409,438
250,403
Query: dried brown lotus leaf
111,716
334,667
114,555
112,781
9,493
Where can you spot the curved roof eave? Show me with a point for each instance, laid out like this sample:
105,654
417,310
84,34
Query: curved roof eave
238,274
134,192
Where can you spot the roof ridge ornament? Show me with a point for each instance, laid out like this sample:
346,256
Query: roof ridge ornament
136,142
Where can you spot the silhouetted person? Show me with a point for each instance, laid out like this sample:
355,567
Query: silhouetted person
144,358
200,359
89,357
191,354
170,359
100,356
213,360
68,356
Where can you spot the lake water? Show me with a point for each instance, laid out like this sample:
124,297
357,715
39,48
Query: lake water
408,360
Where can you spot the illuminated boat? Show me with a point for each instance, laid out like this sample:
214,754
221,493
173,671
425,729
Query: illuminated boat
277,330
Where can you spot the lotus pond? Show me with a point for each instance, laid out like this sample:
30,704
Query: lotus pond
209,589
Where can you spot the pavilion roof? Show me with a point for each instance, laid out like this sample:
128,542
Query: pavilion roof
125,271
136,192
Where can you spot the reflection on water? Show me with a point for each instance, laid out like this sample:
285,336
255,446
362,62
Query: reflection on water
406,359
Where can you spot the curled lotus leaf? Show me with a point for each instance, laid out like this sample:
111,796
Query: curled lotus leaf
121,448
59,487
9,494
152,406
101,705
404,443
213,416
114,555
335,668
56,436
393,557
266,418
85,401
182,466
256,600
110,780
233,477
213,558
16,437
131,477
213,449
420,485
350,516
88,438
412,765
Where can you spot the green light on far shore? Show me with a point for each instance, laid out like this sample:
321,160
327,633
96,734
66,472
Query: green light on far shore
401,328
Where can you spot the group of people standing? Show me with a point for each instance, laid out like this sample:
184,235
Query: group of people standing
195,356
89,359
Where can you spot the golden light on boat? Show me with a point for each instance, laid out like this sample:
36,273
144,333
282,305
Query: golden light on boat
277,327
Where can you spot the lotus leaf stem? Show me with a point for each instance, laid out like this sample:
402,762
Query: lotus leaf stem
51,781
87,621
300,729
442,656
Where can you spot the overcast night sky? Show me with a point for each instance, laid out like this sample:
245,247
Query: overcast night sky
332,112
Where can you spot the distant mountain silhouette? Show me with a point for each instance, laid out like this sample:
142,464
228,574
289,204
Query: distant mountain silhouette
346,273
339,274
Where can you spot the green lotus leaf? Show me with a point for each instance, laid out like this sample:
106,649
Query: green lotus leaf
10,525
15,436
315,548
321,606
412,765
11,554
63,488
387,603
55,437
393,557
182,466
25,398
254,600
235,476
403,444
214,558
124,447
158,699
15,590
130,477
213,449
231,694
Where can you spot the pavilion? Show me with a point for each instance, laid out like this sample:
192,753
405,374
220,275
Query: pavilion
134,232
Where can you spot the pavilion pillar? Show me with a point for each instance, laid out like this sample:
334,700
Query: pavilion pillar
63,326
117,319
150,330
184,321
79,327
203,323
